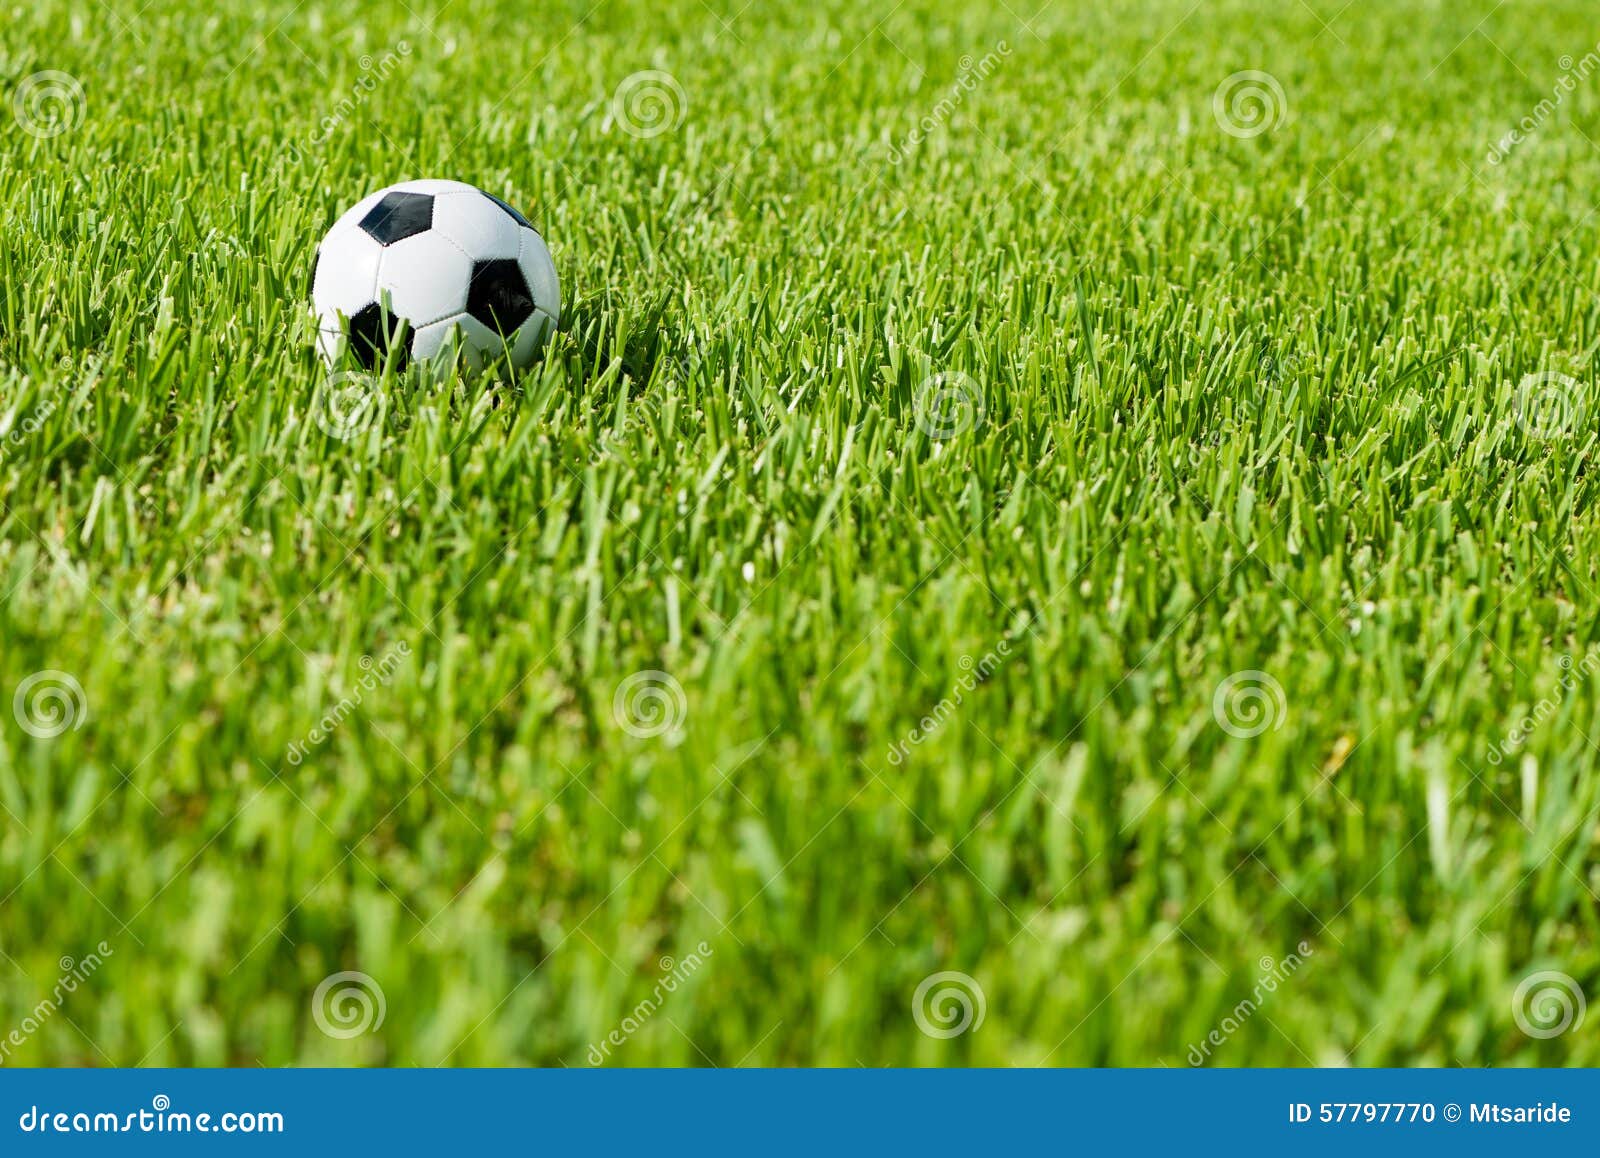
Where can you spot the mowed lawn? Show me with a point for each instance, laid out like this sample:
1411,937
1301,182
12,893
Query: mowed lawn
1105,552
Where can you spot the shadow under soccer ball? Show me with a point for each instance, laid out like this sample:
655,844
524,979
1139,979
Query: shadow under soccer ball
433,274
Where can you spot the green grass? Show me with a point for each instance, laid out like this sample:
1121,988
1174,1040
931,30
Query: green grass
1250,404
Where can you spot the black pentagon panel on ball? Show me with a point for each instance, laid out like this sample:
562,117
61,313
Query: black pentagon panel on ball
499,295
515,216
372,332
399,216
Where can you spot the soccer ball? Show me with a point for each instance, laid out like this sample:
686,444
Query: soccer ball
428,270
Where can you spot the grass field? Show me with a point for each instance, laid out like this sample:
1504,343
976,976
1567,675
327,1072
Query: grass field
996,505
